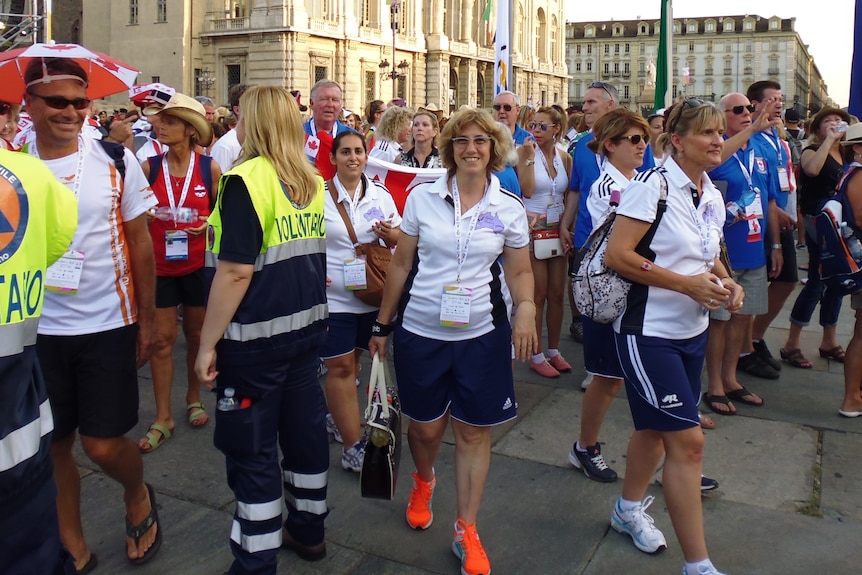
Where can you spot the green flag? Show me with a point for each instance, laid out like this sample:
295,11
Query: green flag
486,15
663,77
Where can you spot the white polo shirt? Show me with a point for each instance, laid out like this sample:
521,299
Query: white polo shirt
226,151
430,215
686,242
599,197
375,205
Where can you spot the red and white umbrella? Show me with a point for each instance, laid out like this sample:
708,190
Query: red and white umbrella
106,74
153,93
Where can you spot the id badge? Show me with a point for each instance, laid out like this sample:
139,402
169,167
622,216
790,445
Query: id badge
176,245
354,275
64,276
554,212
455,306
784,179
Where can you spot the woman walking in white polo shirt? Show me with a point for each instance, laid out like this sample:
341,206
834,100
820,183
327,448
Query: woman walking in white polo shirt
661,335
453,340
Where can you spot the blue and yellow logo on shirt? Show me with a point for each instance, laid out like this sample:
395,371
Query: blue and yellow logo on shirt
14,214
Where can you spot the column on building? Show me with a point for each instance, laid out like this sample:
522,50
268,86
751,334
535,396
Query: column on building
467,20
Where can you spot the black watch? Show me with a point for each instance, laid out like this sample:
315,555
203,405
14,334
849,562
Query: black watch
380,329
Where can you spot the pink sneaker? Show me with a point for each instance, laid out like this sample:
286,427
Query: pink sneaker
545,369
560,364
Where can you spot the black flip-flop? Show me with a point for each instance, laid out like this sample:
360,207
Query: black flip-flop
741,395
710,399
89,565
137,531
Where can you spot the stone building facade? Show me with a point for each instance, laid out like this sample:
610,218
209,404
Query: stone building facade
439,51
711,57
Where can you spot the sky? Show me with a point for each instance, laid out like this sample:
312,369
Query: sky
828,32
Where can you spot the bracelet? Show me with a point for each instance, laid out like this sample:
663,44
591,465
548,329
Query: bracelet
776,246
380,329
529,162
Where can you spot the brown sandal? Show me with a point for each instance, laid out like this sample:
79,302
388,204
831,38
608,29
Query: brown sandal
795,358
836,353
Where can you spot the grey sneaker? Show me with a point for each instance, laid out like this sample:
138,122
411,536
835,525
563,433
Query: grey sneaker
711,570
587,381
351,459
592,463
331,428
639,526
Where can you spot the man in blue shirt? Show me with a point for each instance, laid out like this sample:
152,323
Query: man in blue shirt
749,190
507,107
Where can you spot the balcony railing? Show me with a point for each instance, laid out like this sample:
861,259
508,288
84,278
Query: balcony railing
772,71
373,34
728,71
323,26
225,24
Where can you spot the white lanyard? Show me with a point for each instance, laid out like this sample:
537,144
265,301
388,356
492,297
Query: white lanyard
79,168
166,173
461,249
353,205
746,171
776,145
703,232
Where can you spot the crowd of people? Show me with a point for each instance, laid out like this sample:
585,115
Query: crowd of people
229,222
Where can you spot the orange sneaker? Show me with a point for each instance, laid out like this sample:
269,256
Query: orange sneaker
560,364
419,514
467,547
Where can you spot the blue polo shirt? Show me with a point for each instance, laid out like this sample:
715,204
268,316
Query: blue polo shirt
520,135
775,157
586,168
509,180
730,178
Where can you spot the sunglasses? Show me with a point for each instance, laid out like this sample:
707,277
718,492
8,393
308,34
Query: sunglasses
61,103
507,107
691,103
479,141
635,139
738,110
540,126
602,86
4,108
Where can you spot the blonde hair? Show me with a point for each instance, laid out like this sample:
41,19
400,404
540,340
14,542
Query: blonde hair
392,121
273,130
501,138
685,118
615,124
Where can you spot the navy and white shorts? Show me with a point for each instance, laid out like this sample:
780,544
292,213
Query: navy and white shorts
347,332
662,379
600,349
473,377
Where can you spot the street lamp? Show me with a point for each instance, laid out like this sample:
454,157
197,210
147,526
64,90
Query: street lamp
206,80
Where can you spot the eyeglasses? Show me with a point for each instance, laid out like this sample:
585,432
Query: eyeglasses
738,110
479,141
635,139
61,103
507,107
540,126
4,108
602,86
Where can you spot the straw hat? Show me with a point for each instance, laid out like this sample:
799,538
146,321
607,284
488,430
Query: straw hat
853,135
188,110
821,115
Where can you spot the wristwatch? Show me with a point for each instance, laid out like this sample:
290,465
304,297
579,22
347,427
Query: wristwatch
529,162
380,329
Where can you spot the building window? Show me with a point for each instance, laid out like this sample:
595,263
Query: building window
628,48
155,79
674,91
162,11
198,84
578,67
643,29
617,48
774,24
133,11
625,92
370,79
749,25
709,45
710,27
627,69
691,46
234,75
607,49
589,31
616,67
773,45
578,49
589,66
319,74
728,25
589,48
402,87
607,68
692,27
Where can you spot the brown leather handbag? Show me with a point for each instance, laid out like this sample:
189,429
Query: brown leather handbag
376,256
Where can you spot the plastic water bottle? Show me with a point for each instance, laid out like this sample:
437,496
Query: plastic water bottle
228,402
854,246
183,215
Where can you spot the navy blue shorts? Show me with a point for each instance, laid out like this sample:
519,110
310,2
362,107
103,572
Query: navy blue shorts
473,378
662,379
600,350
347,332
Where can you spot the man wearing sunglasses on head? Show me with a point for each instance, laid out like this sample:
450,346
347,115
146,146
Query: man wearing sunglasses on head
748,187
97,320
507,107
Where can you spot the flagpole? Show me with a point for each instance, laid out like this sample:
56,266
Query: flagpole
664,70
393,12
855,104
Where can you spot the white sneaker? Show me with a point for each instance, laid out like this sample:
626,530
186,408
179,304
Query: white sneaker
639,526
331,428
587,381
711,570
351,459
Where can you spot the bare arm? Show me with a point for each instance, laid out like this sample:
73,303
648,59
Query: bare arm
854,194
229,286
519,278
526,175
144,280
812,162
774,226
396,276
567,222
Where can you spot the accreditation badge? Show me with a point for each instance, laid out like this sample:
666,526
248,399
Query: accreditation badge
784,179
455,306
554,212
64,276
354,274
176,245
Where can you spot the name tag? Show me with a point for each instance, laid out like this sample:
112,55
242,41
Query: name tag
64,276
455,307
554,212
354,275
176,245
784,179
